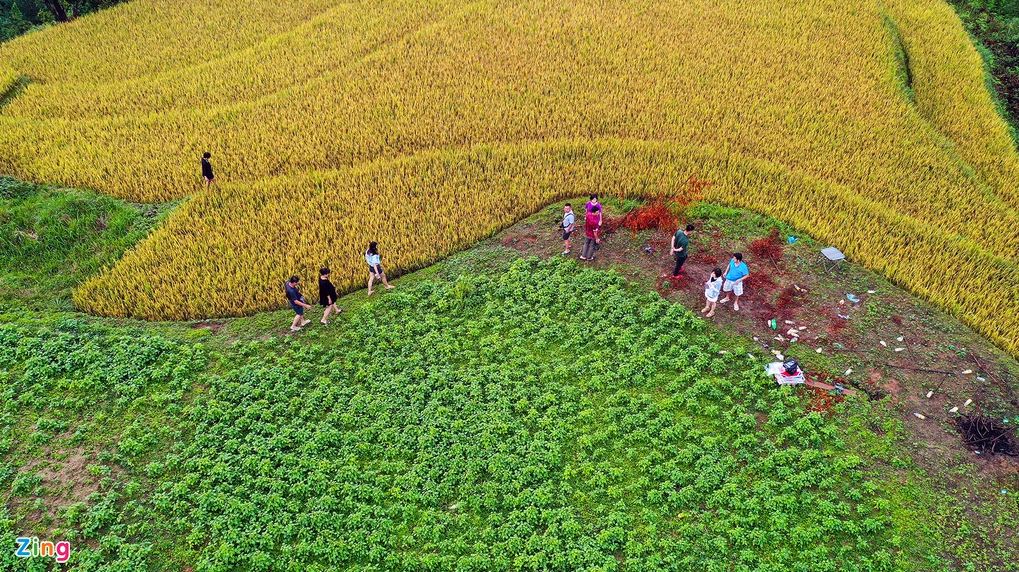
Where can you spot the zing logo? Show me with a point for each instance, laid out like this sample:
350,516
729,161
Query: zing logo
33,547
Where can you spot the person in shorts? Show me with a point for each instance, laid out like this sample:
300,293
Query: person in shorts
297,303
712,289
569,219
734,277
327,296
371,256
207,173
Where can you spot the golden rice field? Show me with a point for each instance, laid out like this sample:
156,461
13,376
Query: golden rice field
429,124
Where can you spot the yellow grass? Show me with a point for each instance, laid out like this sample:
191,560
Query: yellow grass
428,124
7,79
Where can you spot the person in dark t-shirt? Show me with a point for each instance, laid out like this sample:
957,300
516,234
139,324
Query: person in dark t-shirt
681,249
297,303
210,178
327,296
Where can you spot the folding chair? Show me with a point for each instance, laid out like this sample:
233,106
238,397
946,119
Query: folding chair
831,258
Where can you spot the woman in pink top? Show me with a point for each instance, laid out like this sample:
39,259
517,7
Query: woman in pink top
591,224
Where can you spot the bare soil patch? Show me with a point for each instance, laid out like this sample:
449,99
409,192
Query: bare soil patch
65,481
213,326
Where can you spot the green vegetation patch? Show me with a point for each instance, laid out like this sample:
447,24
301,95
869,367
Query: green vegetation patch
84,411
53,238
543,417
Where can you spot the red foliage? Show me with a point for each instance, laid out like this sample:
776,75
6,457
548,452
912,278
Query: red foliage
658,214
652,216
767,247
758,281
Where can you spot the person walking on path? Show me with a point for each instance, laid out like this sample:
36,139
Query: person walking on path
210,178
681,248
568,224
375,270
734,277
712,288
297,303
591,233
327,296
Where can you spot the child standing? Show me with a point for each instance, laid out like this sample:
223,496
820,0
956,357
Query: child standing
712,289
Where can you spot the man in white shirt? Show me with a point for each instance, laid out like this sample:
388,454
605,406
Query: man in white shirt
568,219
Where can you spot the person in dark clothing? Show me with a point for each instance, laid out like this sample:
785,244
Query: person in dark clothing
297,303
681,249
210,178
327,296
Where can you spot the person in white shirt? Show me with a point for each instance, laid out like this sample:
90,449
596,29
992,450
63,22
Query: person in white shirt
371,256
712,289
568,221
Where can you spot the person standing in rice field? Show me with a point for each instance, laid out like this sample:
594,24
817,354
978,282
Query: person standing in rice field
375,270
297,303
327,296
207,173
